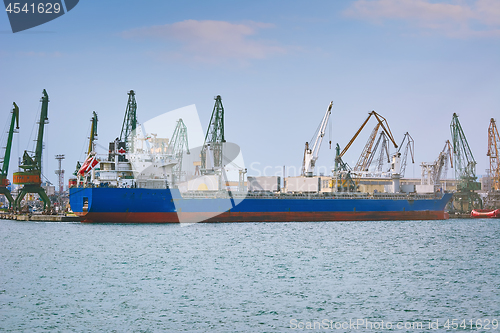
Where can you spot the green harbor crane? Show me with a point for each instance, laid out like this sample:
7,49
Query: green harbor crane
4,182
465,170
129,122
342,172
30,177
178,143
214,139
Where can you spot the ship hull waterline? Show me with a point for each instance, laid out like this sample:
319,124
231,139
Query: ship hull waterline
259,217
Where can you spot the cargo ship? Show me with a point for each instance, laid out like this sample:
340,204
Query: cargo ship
139,205
133,184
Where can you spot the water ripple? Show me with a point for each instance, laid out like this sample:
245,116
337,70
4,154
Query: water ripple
244,277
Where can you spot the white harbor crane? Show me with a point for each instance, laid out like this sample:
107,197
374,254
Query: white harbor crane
311,154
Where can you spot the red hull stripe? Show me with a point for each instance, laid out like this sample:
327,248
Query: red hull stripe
259,217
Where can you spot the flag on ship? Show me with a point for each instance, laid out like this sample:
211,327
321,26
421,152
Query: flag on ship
89,164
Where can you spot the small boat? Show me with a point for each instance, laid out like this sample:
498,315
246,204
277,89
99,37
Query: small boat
485,213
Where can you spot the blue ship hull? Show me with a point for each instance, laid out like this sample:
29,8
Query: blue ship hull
137,205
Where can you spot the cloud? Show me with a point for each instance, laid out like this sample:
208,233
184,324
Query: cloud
211,41
457,19
489,11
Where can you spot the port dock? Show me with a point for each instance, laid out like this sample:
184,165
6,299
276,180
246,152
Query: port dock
39,217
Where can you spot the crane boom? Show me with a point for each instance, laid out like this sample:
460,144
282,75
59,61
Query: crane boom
311,155
14,121
129,122
381,120
383,149
179,139
41,125
90,161
442,161
410,146
364,159
4,182
93,133
432,172
178,143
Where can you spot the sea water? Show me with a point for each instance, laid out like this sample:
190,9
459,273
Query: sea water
250,277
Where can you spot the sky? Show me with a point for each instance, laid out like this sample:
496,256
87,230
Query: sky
276,65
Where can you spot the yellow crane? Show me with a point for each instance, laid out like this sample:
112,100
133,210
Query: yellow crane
493,152
362,163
